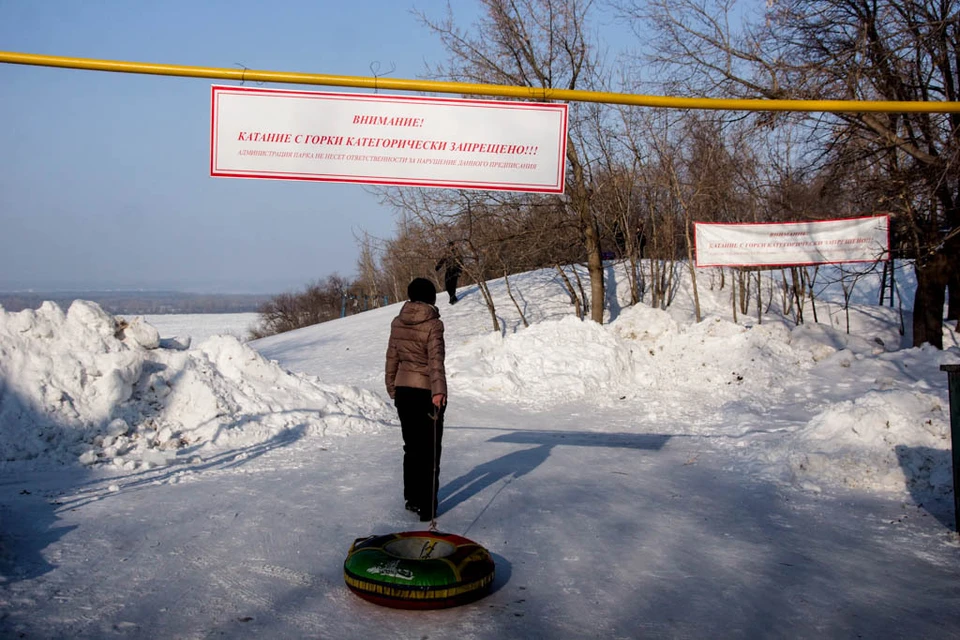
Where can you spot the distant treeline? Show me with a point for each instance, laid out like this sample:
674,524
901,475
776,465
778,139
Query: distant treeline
140,302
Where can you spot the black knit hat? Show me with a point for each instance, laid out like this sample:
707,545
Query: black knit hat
422,290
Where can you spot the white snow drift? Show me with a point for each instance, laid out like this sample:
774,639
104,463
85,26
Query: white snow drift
86,386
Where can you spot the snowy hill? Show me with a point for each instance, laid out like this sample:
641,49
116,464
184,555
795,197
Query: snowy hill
850,408
840,402
766,417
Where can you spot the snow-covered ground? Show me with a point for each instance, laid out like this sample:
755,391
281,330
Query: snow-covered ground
199,327
650,477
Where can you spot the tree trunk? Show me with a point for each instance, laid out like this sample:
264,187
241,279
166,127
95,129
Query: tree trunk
574,298
485,292
759,297
733,297
693,274
595,269
633,275
516,305
813,298
799,292
932,278
580,201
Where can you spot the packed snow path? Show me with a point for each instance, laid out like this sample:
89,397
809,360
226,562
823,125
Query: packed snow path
614,535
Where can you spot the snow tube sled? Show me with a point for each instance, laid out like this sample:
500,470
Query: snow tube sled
418,570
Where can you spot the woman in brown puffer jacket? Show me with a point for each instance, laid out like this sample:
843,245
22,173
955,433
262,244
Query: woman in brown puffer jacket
417,383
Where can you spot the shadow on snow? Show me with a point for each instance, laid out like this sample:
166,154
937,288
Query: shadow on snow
29,512
921,487
519,463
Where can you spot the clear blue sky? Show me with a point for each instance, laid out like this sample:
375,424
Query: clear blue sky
104,177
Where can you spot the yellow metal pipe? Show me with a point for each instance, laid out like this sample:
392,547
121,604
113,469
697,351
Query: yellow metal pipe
466,88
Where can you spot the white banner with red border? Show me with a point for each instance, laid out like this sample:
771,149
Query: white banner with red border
388,139
793,243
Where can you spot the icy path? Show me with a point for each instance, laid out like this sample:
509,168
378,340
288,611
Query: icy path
613,534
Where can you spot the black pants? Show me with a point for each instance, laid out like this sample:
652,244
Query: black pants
421,444
450,284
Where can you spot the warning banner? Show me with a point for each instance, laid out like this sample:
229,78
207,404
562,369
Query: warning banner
794,243
388,139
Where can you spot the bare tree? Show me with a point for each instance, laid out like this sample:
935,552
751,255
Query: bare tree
616,201
542,44
410,254
844,49
371,282
317,303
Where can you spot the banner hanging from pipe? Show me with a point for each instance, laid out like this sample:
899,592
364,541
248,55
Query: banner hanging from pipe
793,243
388,139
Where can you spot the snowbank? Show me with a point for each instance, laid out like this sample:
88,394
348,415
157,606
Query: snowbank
86,386
885,439
546,363
892,433
807,404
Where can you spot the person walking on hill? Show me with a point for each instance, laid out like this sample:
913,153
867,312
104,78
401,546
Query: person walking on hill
416,380
452,265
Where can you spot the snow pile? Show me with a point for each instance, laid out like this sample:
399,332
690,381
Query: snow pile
883,423
704,364
86,386
884,439
61,375
644,350
645,354
549,362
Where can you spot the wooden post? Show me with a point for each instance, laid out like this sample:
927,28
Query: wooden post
953,382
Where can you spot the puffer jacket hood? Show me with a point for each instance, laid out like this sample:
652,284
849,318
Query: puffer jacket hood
414,313
416,351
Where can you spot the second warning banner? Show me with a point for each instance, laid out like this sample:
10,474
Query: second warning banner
792,243
389,140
